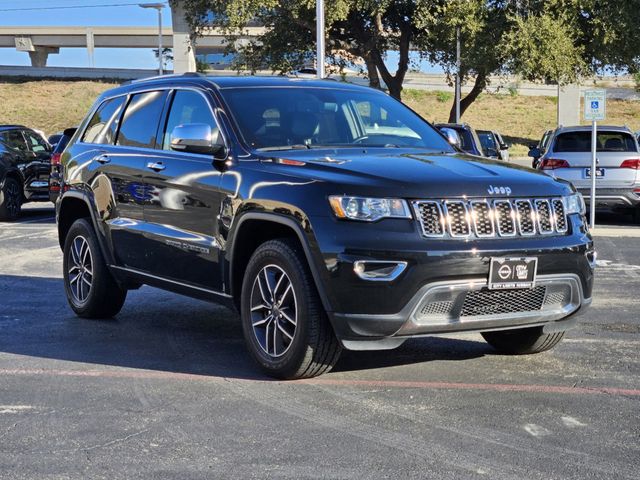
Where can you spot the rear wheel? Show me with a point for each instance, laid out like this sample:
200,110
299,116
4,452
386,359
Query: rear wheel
285,327
522,341
91,290
10,199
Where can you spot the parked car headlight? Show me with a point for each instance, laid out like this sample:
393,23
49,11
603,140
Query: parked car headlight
574,204
368,209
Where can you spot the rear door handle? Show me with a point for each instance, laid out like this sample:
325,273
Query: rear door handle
103,159
156,166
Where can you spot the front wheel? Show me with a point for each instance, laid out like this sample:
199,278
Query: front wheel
285,327
522,341
10,199
91,290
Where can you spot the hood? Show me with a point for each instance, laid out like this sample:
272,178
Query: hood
413,173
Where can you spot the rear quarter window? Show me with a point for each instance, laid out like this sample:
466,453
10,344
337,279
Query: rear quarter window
103,125
141,119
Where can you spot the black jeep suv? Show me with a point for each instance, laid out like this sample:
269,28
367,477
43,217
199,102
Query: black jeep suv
24,169
330,215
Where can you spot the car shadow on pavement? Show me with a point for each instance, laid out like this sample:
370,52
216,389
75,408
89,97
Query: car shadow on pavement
161,331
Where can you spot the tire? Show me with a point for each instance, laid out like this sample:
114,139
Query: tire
522,341
91,290
636,215
299,341
10,200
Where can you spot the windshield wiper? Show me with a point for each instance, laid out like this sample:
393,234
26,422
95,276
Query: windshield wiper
298,146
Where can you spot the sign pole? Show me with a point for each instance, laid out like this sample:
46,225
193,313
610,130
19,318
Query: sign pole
595,108
594,173
320,38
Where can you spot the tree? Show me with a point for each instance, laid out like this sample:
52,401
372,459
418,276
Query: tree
167,56
356,29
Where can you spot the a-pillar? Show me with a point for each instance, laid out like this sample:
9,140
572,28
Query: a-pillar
184,58
40,54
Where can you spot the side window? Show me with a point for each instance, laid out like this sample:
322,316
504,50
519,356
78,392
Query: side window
141,119
35,142
14,141
103,125
187,107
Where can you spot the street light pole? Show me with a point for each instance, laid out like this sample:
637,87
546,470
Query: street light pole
158,7
458,67
320,38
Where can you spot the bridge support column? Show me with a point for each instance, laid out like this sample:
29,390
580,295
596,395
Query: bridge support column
184,58
39,55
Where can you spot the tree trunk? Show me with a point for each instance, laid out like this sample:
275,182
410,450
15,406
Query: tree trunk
372,72
478,87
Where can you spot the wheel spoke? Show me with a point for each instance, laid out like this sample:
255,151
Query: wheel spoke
262,306
84,279
288,318
278,283
74,279
282,329
265,299
284,295
266,279
262,321
275,338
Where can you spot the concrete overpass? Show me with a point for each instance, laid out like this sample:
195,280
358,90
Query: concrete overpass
40,42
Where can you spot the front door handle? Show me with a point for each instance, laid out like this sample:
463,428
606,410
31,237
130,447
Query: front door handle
156,166
103,159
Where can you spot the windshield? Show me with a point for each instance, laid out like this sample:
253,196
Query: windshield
308,117
608,141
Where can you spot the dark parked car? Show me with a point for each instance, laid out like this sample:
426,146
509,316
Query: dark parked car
536,151
24,169
55,177
286,200
493,145
469,140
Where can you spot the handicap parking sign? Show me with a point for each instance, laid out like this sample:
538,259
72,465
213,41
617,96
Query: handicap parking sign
595,104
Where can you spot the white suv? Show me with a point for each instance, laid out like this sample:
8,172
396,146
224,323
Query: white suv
617,166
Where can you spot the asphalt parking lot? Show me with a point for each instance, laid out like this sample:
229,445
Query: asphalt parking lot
166,390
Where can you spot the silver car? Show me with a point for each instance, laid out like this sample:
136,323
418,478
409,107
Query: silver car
617,165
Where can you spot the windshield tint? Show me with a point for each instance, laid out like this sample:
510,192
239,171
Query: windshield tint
285,117
608,141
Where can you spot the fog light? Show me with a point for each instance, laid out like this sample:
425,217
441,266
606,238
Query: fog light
378,270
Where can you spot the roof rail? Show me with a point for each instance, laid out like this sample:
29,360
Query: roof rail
171,75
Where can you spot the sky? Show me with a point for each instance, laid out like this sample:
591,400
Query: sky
57,13
121,16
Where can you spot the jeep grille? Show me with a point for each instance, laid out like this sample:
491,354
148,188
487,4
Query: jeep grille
491,218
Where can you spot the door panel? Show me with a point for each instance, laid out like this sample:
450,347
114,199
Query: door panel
181,219
184,202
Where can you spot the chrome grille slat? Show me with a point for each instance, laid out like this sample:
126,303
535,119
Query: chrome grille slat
525,217
559,216
482,218
429,214
505,218
543,214
457,217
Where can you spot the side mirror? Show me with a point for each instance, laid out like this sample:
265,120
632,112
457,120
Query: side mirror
535,152
504,146
451,135
196,138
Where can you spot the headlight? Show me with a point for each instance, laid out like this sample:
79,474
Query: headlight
574,204
369,209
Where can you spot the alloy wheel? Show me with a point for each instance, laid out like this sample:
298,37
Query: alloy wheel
12,199
274,313
80,269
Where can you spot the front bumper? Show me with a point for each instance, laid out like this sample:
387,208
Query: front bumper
377,314
444,307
